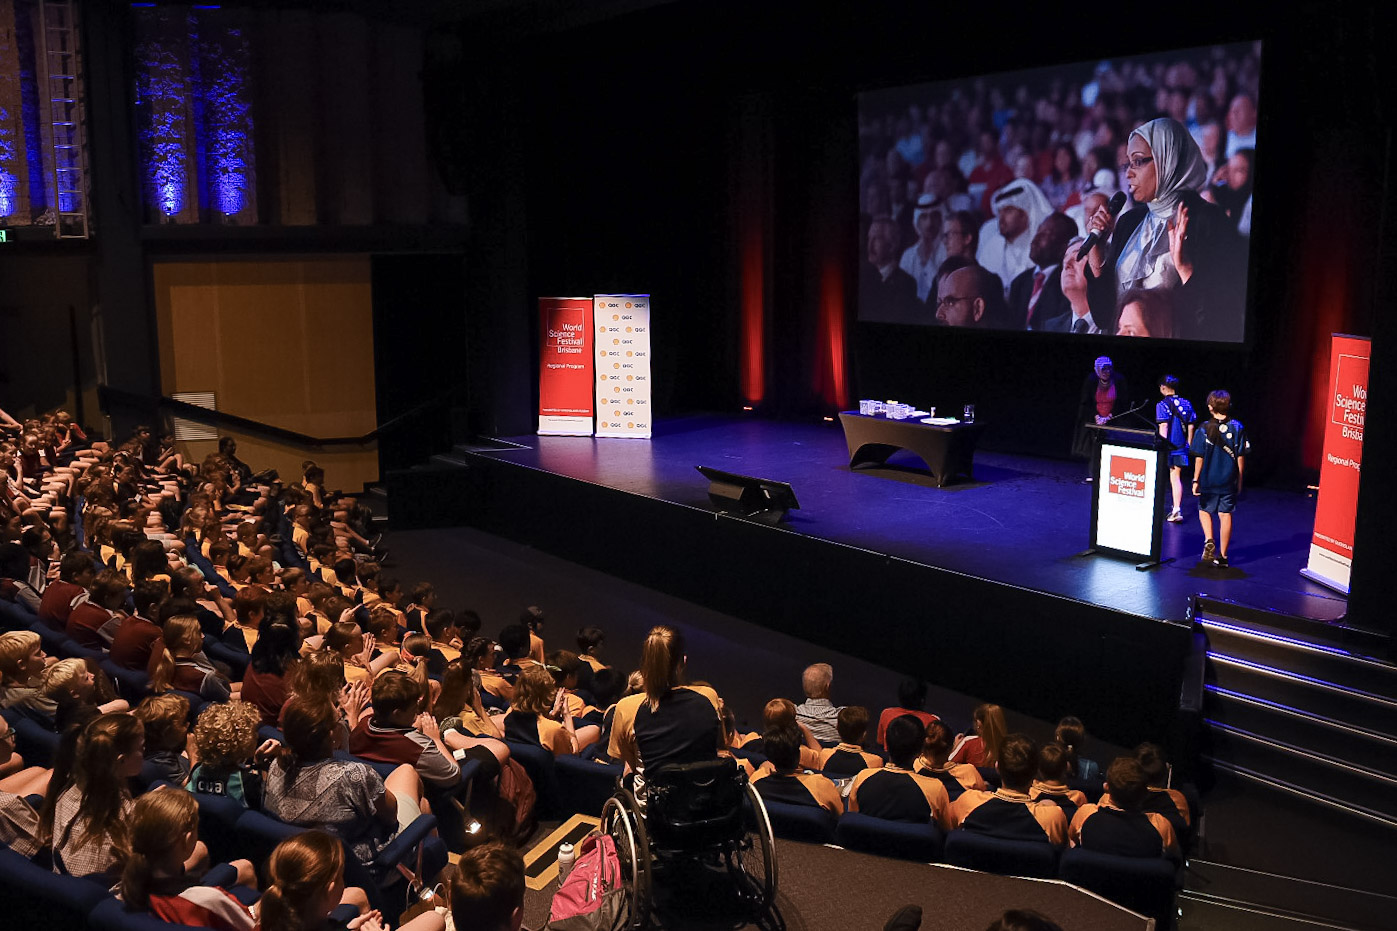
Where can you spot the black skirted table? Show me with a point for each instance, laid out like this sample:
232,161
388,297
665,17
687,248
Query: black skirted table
948,450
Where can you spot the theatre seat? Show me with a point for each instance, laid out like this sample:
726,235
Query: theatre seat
111,915
64,902
808,823
921,842
585,785
1141,884
1005,857
543,772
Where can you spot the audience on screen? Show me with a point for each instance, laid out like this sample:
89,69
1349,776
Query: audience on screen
1065,145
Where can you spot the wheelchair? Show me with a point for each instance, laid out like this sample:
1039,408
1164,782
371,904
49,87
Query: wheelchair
695,815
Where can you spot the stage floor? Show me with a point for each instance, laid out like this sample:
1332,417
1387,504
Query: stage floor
1022,521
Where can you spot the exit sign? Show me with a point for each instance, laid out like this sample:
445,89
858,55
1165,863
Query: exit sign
4,235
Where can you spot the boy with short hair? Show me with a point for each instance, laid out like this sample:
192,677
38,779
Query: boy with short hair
1176,418
1219,454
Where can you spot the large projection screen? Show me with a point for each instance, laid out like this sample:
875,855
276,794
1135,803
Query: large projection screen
975,195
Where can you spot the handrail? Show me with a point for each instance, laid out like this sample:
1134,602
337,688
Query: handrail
107,394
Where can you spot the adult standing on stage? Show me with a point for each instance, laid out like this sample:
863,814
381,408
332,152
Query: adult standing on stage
1104,395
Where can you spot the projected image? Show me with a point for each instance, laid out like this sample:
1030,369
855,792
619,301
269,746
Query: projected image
1103,198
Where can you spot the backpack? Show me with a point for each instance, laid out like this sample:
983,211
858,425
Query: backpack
516,790
593,896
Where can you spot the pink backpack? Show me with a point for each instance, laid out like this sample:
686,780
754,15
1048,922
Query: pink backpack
593,896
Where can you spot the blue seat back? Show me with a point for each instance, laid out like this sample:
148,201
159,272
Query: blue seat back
1006,857
28,889
543,772
111,915
809,823
585,785
1141,884
922,842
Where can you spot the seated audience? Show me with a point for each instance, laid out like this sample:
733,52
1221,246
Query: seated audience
94,622
231,760
817,714
1050,784
306,883
895,792
1163,800
1072,734
76,573
935,762
166,721
911,699
1119,825
785,781
978,749
22,663
487,892
307,786
540,715
848,758
274,658
1011,813
19,822
399,731
164,834
139,642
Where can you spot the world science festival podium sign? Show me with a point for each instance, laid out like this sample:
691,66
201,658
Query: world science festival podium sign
621,323
565,366
1346,408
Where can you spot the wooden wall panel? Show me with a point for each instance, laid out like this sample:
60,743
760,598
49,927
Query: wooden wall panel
288,342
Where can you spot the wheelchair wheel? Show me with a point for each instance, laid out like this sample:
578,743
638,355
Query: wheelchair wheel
752,858
622,821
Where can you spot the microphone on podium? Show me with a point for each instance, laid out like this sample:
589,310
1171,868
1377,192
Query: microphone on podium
1113,208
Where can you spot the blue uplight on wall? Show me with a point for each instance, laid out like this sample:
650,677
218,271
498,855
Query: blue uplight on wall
8,156
194,98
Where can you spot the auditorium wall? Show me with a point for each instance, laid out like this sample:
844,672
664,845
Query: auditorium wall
287,342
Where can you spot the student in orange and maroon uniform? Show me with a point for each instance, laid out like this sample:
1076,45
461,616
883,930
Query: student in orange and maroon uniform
848,758
397,732
1119,825
76,573
1052,770
139,642
935,762
785,781
1010,813
94,622
896,793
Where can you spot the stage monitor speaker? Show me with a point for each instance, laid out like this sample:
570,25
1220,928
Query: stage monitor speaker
758,499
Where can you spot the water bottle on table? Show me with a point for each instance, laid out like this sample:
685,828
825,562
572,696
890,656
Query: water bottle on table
968,413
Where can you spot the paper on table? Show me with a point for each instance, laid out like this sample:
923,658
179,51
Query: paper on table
940,421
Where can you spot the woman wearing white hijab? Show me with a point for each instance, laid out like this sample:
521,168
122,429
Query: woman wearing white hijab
1164,162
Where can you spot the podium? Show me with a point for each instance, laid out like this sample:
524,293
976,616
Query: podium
1130,479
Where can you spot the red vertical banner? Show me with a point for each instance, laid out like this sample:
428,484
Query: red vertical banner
566,374
1331,547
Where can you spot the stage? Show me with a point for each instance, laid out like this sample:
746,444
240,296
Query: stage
958,581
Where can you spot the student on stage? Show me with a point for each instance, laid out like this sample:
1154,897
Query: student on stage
1176,418
1219,454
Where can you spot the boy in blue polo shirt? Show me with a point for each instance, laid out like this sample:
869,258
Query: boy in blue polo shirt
1219,453
1176,418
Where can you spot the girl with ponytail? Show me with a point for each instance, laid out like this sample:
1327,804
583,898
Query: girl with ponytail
307,882
668,722
164,834
85,814
184,666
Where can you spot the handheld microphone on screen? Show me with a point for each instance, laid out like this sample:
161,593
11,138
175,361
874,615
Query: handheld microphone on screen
1113,208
